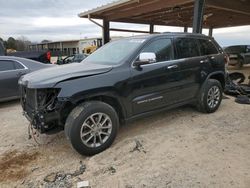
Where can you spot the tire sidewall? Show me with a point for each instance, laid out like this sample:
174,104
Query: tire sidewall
88,109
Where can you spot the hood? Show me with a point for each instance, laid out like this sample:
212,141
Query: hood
49,77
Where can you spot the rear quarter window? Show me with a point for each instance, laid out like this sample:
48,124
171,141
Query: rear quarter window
186,47
207,47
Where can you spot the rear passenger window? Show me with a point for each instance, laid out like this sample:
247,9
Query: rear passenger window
162,49
186,47
207,47
18,66
6,65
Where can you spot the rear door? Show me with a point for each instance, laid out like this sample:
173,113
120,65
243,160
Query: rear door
212,58
188,55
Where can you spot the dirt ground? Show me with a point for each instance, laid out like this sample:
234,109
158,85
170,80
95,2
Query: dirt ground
177,148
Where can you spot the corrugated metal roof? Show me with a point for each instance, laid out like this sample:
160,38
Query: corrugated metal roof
106,7
217,13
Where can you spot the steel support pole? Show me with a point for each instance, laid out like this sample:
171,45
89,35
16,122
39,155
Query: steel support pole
151,28
198,16
185,29
105,32
210,33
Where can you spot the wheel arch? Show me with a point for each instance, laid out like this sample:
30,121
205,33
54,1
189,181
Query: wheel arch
110,98
220,76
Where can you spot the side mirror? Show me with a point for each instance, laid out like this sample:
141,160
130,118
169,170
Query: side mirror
145,58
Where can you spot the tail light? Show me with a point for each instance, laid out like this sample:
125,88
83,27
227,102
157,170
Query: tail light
48,55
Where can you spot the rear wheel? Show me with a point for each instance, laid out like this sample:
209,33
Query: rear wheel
92,127
210,96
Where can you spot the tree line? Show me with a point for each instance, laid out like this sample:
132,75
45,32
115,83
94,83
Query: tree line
19,44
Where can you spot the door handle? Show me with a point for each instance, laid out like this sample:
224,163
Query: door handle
172,66
204,61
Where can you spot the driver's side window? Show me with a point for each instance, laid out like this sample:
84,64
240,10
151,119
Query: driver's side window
162,49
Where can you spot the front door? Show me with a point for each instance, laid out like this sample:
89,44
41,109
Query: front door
154,85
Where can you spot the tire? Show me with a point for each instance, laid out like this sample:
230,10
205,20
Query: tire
92,120
206,96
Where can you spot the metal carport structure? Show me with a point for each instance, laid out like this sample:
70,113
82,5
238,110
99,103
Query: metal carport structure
197,14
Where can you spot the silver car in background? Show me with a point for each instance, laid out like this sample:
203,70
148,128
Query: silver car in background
11,69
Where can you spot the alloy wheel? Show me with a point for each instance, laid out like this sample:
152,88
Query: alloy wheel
96,130
213,96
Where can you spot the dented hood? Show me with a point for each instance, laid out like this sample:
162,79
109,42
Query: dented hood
49,77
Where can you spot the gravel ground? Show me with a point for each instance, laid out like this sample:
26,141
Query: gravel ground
177,148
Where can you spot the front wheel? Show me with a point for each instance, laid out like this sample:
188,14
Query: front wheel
92,127
210,96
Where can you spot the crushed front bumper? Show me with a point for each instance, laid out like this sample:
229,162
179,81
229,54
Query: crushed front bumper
41,118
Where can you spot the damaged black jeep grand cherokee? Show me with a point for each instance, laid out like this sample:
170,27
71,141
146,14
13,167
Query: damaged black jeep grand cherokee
123,80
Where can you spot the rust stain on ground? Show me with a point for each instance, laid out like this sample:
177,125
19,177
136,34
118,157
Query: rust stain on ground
13,165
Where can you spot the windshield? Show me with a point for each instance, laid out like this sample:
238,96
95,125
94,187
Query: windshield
114,52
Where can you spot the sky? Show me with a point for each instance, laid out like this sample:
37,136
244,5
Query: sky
57,20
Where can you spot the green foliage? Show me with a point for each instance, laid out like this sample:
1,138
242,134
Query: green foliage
11,43
19,44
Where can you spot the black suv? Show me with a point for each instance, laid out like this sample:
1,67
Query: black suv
238,55
121,81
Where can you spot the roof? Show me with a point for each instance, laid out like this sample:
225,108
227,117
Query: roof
168,34
217,13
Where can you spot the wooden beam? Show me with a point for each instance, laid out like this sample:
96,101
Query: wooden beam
236,6
129,30
149,7
185,15
126,8
169,10
135,21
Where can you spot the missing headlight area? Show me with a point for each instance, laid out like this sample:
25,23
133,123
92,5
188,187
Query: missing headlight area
46,99
40,107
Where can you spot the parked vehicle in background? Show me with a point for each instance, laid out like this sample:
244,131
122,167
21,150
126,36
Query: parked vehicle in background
121,81
2,49
11,69
41,56
238,55
91,48
76,58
